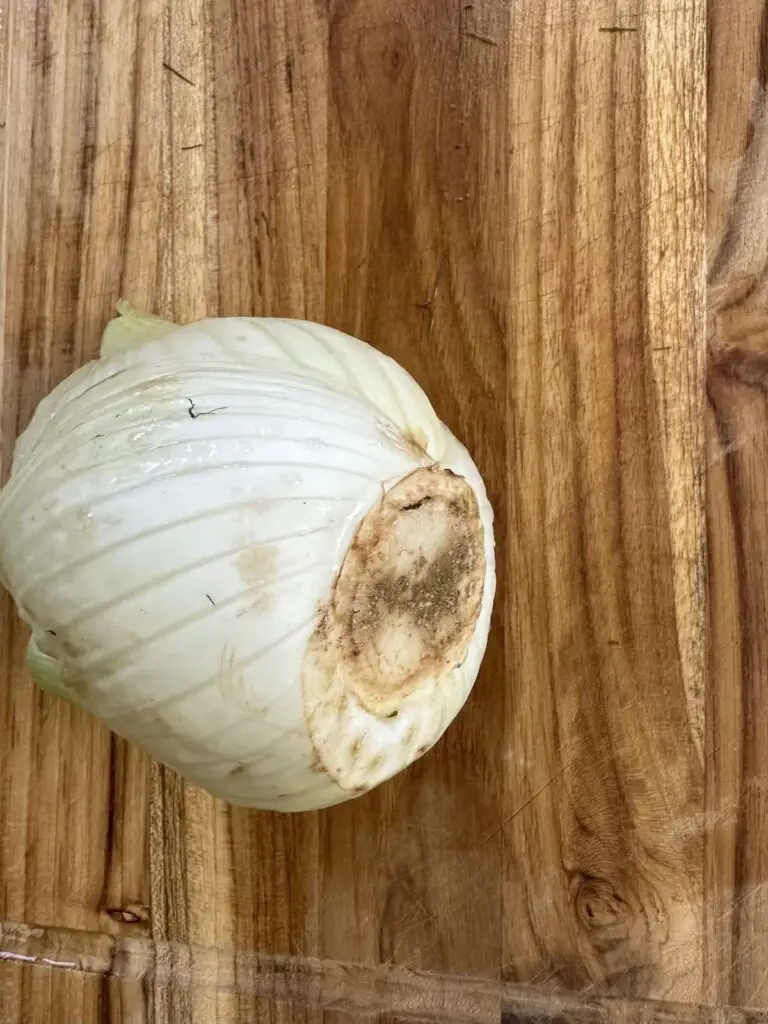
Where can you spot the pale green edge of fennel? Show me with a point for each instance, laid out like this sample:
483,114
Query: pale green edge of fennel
46,671
129,327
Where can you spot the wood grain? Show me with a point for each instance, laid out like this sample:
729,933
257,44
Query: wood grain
65,997
518,200
605,633
738,162
290,988
73,800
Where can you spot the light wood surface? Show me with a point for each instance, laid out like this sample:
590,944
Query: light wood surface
738,172
518,200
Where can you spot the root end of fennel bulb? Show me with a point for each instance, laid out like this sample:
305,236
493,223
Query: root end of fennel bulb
251,547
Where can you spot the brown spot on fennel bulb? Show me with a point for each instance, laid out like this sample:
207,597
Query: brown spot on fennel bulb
258,565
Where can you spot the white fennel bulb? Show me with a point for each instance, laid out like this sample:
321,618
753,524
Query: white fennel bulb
251,548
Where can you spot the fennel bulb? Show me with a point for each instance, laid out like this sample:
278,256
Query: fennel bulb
251,548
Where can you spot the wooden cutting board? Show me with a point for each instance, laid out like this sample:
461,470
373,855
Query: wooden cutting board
518,200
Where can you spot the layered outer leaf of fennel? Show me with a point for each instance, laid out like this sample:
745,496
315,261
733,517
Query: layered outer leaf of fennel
205,487
338,358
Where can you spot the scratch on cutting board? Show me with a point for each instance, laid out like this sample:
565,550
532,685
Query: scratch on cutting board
178,74
481,38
